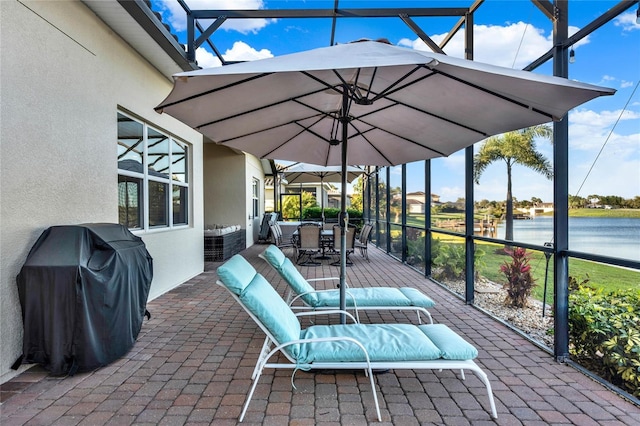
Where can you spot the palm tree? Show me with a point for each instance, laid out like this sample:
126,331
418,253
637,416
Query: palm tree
517,147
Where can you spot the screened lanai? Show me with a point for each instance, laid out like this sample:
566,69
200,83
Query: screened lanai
193,360
391,196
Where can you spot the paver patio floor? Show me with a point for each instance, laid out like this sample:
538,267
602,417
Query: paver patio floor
193,361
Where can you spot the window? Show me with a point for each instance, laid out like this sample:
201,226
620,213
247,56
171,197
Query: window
256,198
153,186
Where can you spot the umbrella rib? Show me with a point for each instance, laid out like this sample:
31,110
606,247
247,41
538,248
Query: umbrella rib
265,129
395,103
395,135
388,91
240,114
498,95
304,129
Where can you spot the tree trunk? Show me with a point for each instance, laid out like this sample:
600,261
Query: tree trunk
508,234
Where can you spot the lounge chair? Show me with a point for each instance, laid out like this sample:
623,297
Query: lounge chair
369,298
341,346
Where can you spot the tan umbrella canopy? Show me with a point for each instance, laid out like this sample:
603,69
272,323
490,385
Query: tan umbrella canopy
365,103
312,173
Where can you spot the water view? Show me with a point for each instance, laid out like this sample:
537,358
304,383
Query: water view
614,237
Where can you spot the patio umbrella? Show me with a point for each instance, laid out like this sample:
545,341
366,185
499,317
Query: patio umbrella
312,173
365,103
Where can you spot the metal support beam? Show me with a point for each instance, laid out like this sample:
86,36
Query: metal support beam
404,213
333,23
191,36
330,13
546,7
387,213
377,212
462,21
561,193
585,31
209,31
468,220
468,184
418,31
427,218
221,15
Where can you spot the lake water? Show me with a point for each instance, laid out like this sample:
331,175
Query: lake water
614,237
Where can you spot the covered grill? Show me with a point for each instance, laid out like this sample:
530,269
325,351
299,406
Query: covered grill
83,291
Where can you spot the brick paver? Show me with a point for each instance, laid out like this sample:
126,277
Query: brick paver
193,360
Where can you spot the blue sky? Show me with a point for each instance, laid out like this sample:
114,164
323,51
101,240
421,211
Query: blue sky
604,134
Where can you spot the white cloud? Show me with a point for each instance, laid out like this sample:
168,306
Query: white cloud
513,46
611,175
450,193
589,130
243,52
239,52
627,21
624,84
175,15
206,59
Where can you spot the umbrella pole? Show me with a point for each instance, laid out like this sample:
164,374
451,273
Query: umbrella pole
344,217
322,199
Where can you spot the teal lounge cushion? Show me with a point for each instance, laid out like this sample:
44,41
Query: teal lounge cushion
376,296
384,342
417,297
289,272
292,276
274,256
265,303
451,344
236,274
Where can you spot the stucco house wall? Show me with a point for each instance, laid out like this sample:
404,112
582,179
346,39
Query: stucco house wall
64,76
228,189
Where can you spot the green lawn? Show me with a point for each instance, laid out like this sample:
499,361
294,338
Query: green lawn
607,277
626,213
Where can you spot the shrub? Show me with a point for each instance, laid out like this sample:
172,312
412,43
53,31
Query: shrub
604,329
331,215
450,259
520,282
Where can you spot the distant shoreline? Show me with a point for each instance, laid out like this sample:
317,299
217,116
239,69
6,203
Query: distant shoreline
613,213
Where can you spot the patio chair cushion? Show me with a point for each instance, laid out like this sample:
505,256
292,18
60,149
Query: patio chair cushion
376,296
384,343
261,300
236,274
290,273
451,345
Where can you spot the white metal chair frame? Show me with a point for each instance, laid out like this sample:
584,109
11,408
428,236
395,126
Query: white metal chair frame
292,297
271,347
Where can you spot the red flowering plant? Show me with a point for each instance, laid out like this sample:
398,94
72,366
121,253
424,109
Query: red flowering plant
520,282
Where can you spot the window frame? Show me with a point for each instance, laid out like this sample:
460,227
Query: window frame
169,183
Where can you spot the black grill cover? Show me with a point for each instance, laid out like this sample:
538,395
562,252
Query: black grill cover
83,291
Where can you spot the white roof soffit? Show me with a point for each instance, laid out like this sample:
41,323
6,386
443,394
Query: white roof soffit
137,24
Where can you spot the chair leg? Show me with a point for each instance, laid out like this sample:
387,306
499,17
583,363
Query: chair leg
373,390
253,388
309,261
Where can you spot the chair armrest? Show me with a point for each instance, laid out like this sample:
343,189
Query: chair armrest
326,312
305,293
